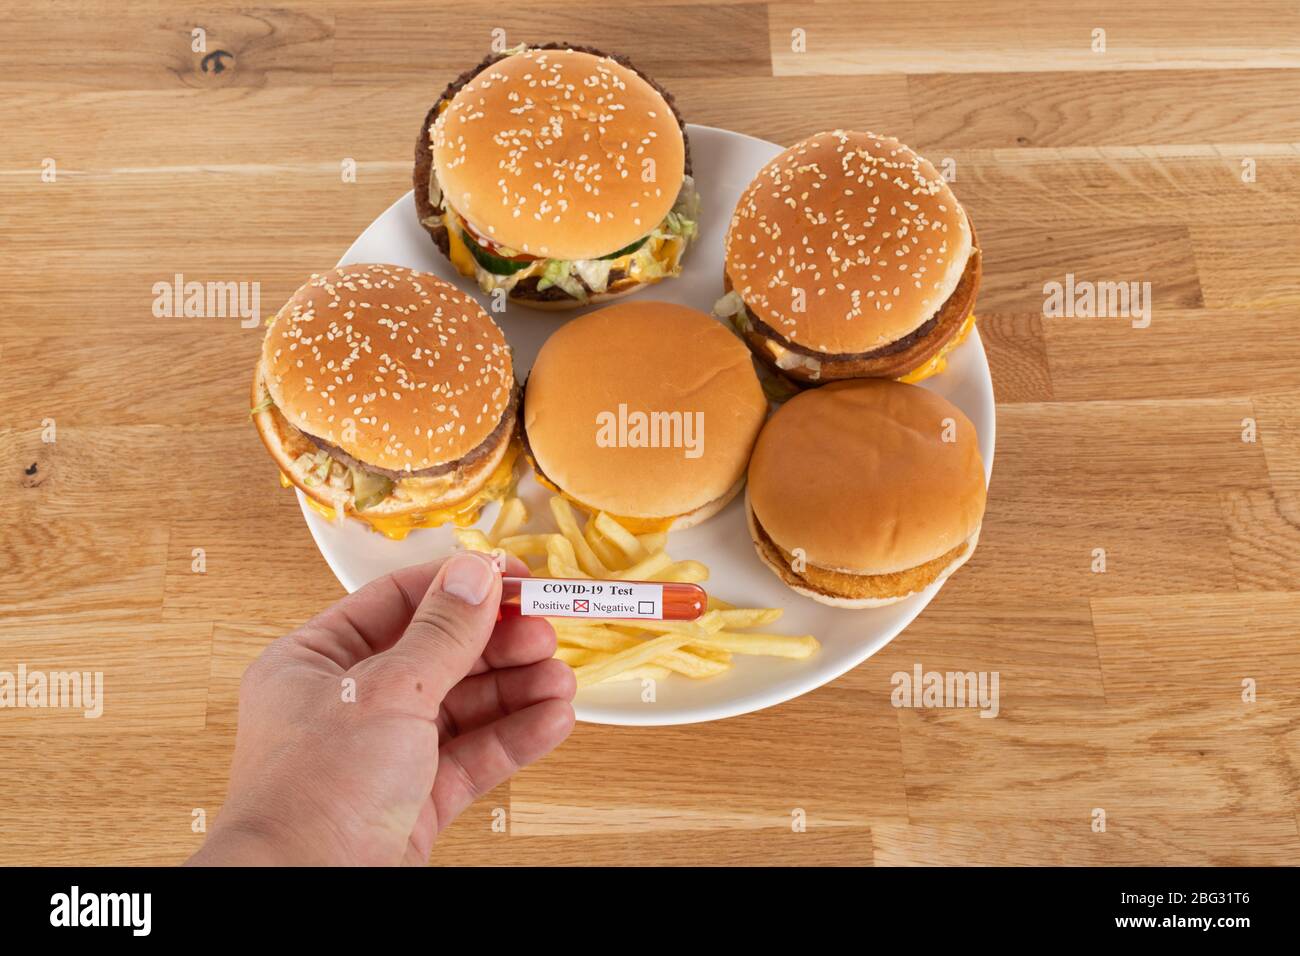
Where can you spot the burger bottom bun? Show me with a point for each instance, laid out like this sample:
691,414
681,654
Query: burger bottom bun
706,511
569,303
410,496
856,591
681,522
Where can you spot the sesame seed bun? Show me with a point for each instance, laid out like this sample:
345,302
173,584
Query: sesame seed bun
397,368
651,357
391,371
851,249
857,481
544,151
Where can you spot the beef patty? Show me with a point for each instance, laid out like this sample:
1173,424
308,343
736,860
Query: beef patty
474,455
891,360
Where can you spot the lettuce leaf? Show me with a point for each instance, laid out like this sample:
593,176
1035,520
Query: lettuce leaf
687,205
594,272
559,272
576,277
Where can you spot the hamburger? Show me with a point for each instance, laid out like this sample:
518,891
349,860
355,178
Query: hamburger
849,257
647,411
559,174
863,493
388,396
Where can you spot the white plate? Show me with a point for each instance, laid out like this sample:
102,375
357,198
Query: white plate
724,163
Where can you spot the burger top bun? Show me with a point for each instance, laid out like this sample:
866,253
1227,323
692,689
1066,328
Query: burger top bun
847,242
560,154
606,369
861,477
397,368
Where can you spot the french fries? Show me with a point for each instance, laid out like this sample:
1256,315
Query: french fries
607,651
472,540
621,538
643,652
596,641
747,616
607,553
561,560
653,542
525,545
512,516
688,572
568,525
771,645
648,672
510,519
577,656
652,564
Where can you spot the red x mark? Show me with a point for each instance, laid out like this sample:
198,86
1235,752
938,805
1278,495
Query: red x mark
582,606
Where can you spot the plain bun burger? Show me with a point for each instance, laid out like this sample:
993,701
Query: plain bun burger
847,257
389,396
863,493
645,410
558,174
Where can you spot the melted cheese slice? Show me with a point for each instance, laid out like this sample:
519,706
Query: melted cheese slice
462,513
940,360
457,251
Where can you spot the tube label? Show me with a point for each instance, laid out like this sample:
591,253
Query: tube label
596,599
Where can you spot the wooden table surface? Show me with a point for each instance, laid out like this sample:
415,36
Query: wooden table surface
1120,690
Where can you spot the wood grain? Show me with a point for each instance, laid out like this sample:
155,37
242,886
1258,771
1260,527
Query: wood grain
1115,108
933,36
1171,158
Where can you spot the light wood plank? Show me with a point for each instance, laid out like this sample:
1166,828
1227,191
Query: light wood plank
1083,188
136,45
1020,260
1015,346
1278,419
130,800
151,675
833,739
817,846
1136,760
1086,449
1199,649
1170,839
1093,359
672,41
1115,108
1005,36
1045,656
1249,265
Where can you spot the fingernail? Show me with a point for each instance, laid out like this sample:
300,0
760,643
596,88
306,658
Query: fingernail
468,576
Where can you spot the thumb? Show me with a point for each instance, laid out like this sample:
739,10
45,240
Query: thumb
450,628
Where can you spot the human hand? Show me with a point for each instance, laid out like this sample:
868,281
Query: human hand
447,704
